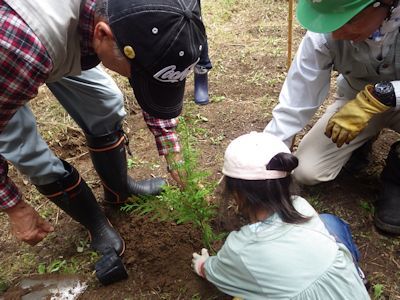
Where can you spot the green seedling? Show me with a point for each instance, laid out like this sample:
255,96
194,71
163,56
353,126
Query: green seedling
217,140
378,291
56,266
42,268
61,266
367,207
190,205
217,98
3,286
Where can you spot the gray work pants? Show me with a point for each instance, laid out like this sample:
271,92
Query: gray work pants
92,99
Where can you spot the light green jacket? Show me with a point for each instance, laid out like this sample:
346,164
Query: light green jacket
276,260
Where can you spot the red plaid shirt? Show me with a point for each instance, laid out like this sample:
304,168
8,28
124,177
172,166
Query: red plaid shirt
24,67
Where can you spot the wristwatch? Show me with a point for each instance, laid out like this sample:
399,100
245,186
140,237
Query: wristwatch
384,92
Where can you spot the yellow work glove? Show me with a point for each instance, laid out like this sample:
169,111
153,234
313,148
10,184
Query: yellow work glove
353,117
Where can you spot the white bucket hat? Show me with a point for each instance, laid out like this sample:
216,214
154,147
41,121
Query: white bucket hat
247,157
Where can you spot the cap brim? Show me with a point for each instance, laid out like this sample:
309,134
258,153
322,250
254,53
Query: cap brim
320,22
160,100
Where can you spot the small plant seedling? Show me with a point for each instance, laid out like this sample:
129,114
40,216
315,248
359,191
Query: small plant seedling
131,163
3,286
42,268
378,291
189,205
367,207
59,266
56,266
217,99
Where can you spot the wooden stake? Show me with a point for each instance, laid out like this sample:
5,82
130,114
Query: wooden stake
290,34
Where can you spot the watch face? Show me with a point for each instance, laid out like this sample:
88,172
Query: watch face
384,88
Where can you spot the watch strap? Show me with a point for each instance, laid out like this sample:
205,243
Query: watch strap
396,86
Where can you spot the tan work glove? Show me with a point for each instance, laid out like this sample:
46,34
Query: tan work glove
353,117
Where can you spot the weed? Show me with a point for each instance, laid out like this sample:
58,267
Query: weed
196,297
217,140
367,207
41,268
131,163
189,205
217,99
56,266
61,265
314,200
82,244
378,291
3,286
201,118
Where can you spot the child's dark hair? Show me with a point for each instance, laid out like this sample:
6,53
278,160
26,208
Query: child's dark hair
272,195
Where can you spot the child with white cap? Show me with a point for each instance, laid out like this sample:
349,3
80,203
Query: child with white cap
287,251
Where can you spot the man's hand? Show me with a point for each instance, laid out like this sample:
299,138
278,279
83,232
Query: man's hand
175,168
198,262
26,224
353,117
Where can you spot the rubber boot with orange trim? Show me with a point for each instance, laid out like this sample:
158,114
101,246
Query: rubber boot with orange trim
73,196
109,159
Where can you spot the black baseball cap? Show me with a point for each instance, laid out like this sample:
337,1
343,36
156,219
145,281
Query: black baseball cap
162,39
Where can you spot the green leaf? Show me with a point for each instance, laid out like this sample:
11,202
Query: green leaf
42,268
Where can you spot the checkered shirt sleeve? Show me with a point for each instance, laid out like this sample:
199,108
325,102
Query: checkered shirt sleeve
9,193
164,131
24,63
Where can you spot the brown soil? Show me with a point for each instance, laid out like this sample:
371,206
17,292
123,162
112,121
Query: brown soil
248,49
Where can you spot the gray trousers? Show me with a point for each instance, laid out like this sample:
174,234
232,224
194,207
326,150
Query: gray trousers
319,158
92,99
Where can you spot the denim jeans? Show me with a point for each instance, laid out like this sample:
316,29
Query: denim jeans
340,230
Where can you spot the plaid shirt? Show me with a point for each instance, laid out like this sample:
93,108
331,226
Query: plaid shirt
24,67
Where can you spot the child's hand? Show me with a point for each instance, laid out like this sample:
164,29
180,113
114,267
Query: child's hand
198,262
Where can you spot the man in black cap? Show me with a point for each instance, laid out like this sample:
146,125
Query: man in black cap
155,43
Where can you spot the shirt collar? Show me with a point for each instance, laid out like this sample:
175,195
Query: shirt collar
388,26
86,24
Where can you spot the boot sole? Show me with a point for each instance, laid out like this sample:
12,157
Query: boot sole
392,229
202,102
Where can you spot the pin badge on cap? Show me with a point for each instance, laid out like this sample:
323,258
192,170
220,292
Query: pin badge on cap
129,52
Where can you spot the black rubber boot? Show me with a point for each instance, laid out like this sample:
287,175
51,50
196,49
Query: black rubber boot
360,158
109,159
387,210
201,86
73,196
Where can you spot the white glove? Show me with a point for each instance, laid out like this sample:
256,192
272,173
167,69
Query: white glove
199,260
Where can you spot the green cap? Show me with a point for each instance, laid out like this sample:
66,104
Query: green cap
328,15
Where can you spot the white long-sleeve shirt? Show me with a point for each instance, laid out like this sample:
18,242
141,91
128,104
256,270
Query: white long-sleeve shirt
304,90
